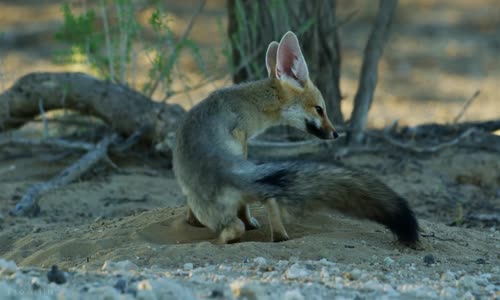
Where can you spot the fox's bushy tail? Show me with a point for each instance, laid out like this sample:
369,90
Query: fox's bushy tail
313,185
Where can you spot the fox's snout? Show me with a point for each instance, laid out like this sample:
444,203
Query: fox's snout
326,132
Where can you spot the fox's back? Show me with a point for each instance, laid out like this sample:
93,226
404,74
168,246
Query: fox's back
207,141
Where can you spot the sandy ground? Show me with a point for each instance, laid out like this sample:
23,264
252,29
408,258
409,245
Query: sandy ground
440,53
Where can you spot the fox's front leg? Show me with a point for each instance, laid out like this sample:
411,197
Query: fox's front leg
246,217
278,231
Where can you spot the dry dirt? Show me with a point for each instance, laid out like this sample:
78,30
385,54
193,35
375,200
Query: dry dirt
440,53
138,216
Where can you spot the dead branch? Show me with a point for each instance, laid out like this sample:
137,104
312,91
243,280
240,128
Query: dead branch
28,203
260,149
466,105
485,217
122,108
369,68
55,143
426,130
431,149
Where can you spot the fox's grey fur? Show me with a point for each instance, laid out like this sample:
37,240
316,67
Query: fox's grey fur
219,183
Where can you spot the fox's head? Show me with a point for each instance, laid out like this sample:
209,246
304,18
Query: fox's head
303,106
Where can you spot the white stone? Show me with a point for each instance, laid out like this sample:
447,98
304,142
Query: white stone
7,267
282,263
293,295
188,266
448,276
356,274
248,290
467,282
119,266
295,271
104,293
165,288
448,292
260,261
388,261
326,262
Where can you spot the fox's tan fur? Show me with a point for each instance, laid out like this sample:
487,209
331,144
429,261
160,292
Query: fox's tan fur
219,183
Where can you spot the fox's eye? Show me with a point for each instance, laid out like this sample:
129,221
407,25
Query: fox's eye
319,110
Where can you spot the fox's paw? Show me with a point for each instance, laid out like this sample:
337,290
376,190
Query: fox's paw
251,224
278,237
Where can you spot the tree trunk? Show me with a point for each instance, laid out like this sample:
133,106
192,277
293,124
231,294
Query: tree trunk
369,69
253,24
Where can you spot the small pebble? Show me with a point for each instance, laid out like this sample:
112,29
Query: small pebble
123,266
99,292
325,261
282,263
35,283
388,261
188,266
260,261
356,274
247,290
429,259
121,285
293,295
467,282
56,276
295,271
216,293
7,267
448,276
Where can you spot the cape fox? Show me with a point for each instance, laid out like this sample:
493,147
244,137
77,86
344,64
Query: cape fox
219,183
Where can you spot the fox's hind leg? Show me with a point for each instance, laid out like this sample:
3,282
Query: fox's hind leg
232,232
192,220
247,219
278,231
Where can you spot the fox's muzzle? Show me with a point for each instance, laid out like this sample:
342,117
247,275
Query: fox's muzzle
320,132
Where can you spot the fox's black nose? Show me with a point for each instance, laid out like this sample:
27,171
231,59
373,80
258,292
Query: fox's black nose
335,135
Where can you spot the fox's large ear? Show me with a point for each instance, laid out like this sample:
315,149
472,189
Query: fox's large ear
291,66
271,54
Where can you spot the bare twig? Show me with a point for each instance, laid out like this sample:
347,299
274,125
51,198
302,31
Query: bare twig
369,69
466,105
130,141
44,118
430,149
28,203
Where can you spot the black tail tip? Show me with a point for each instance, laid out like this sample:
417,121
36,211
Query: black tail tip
404,224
